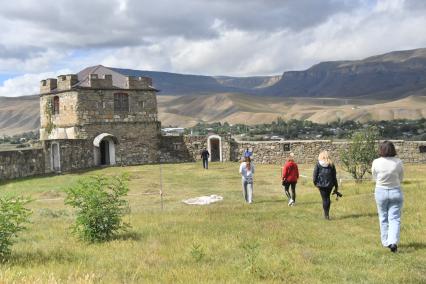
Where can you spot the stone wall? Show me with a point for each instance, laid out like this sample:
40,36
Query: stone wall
174,149
138,142
21,163
276,152
78,154
188,148
75,154
79,110
195,144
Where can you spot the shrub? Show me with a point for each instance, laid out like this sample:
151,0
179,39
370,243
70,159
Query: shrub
360,153
100,207
251,252
197,252
13,216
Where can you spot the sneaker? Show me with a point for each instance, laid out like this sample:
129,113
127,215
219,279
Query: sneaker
293,204
393,248
290,202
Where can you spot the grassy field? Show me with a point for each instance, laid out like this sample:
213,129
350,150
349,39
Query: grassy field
229,241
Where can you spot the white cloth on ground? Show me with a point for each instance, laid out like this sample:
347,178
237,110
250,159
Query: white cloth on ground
203,200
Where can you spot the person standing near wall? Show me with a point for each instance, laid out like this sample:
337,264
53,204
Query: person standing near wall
289,177
247,153
205,157
246,172
325,179
388,173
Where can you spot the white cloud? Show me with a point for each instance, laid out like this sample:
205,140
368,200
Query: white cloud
359,33
27,84
221,37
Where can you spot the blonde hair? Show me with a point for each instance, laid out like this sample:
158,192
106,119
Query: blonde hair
290,157
324,156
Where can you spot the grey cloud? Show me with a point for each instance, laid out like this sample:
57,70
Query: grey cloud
201,36
20,52
415,4
99,23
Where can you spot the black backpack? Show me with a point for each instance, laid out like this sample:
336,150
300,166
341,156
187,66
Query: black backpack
325,176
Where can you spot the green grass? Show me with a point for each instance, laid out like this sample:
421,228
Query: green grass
229,241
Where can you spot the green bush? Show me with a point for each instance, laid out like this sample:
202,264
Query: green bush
100,207
197,252
13,216
360,153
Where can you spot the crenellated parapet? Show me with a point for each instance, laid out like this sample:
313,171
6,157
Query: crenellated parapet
48,85
100,82
66,82
138,82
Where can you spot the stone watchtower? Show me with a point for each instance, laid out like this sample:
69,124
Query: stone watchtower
88,121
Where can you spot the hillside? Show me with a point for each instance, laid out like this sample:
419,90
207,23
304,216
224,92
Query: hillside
18,115
186,84
237,108
21,114
382,87
389,76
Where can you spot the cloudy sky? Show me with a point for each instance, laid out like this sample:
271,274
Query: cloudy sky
45,38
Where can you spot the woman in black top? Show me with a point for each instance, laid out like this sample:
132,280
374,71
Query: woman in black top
324,179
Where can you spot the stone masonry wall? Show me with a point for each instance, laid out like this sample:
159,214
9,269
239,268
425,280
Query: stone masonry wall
75,154
188,148
139,142
78,153
21,163
79,110
173,149
276,152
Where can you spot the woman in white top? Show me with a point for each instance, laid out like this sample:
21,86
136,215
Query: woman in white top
246,172
388,172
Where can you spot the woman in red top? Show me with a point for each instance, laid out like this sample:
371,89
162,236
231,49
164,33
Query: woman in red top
289,177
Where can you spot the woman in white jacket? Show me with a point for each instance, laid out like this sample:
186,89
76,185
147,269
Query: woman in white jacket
388,173
246,172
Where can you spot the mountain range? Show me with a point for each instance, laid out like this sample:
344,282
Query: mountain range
382,87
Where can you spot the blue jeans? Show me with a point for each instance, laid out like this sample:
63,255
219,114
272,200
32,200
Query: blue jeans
389,204
248,191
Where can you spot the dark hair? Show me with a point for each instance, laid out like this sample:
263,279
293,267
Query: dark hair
387,149
248,163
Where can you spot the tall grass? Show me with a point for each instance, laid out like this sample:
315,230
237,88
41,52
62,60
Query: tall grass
229,241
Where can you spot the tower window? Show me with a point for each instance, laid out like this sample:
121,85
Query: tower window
121,102
56,105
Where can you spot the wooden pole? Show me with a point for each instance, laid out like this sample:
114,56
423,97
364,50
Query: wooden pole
161,186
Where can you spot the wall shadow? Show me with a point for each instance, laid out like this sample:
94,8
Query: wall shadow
414,245
38,257
129,235
356,216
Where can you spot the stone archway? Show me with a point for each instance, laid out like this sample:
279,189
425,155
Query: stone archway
214,146
104,150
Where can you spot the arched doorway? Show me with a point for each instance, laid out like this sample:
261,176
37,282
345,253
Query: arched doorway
55,157
104,150
214,145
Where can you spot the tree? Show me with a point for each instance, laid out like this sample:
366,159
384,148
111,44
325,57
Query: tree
360,153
